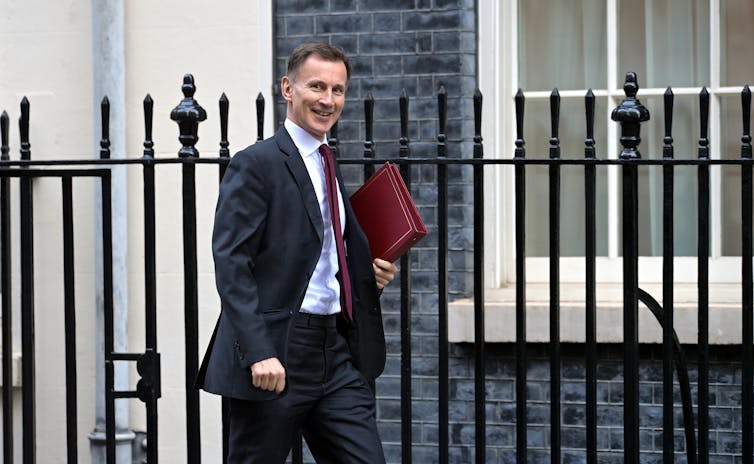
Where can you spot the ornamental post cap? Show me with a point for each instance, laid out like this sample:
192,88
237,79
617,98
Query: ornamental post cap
188,108
630,114
188,114
630,109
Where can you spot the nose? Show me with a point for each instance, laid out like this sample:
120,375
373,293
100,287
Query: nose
326,98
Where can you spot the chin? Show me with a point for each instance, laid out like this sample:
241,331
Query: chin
321,130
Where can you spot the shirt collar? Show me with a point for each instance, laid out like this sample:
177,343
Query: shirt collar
303,140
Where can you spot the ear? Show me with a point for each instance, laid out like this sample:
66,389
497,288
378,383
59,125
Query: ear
286,88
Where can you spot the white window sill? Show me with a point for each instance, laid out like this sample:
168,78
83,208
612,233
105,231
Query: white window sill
500,314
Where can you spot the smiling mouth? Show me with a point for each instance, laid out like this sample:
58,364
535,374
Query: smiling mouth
324,113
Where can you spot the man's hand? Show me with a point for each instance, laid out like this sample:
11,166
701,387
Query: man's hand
268,374
384,272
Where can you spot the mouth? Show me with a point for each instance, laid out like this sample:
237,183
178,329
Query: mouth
324,114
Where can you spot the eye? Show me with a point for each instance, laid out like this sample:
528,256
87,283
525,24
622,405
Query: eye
338,90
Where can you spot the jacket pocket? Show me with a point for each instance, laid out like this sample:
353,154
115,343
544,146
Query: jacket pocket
278,323
272,315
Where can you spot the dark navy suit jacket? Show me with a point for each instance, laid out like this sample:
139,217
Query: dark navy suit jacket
266,241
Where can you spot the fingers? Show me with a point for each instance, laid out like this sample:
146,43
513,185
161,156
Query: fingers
268,374
384,272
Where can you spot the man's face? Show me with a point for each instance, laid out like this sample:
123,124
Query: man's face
316,94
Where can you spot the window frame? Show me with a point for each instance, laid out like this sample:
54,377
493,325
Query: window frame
498,81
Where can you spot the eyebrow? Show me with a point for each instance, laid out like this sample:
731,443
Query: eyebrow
315,82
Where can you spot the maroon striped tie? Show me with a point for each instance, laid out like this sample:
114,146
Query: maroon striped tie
344,278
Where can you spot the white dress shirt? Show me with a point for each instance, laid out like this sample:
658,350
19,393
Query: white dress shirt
323,293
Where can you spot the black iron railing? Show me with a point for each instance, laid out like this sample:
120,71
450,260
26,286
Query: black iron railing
630,114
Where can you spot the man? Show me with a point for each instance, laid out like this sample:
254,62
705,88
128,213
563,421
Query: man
297,340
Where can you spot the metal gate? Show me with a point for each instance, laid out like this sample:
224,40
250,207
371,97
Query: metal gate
188,114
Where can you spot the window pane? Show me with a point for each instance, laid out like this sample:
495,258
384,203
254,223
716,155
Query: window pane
737,24
562,44
572,133
731,132
666,42
685,186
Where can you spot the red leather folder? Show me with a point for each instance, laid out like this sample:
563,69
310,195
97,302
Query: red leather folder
387,214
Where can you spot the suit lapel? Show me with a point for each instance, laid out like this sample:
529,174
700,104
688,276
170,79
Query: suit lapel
296,166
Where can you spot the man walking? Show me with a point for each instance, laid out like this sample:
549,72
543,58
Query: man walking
300,333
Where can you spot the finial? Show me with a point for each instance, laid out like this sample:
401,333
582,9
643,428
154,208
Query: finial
188,86
631,86
188,114
630,114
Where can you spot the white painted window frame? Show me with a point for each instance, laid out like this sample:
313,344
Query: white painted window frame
498,81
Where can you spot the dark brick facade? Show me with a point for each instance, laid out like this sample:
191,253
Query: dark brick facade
725,406
419,45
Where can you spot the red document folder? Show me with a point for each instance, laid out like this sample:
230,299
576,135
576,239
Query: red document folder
387,214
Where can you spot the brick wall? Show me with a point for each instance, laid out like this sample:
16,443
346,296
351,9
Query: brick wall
725,405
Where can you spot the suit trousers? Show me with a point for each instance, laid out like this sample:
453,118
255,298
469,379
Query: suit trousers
327,400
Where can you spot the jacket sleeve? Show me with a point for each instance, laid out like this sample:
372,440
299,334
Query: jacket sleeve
240,219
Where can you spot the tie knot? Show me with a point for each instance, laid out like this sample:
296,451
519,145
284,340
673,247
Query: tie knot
324,150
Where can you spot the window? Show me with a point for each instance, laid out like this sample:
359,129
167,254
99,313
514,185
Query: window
537,45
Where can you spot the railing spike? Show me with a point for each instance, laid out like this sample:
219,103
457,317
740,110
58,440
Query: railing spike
668,98
589,104
369,133
224,105
104,143
369,126
23,126
4,148
746,109
442,111
478,148
703,123
746,118
403,107
148,115
519,100
403,102
260,116
477,114
554,123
